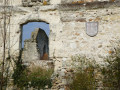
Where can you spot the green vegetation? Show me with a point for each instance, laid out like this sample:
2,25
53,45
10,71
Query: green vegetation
111,72
19,75
83,81
4,79
84,77
35,77
88,75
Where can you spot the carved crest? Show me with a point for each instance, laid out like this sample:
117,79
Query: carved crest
92,28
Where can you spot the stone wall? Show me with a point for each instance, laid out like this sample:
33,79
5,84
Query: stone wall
68,34
68,29
81,1
30,3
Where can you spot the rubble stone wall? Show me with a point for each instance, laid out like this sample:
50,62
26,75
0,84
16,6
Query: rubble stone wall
68,35
68,29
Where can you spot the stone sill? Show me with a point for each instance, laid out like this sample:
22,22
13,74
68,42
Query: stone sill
39,63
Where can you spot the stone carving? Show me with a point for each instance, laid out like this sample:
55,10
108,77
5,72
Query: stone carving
92,28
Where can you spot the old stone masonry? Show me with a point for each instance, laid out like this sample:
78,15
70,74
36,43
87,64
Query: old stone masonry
88,28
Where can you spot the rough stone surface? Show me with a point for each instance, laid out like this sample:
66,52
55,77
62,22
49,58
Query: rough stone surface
67,29
47,64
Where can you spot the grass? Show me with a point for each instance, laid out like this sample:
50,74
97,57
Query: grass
36,77
84,76
88,74
111,72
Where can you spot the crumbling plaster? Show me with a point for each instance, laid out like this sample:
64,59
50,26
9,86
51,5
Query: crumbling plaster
68,29
18,20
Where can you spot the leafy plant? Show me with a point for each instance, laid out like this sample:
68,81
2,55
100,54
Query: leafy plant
85,76
19,75
36,77
111,71
4,79
40,77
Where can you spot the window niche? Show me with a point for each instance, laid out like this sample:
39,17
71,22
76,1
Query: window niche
35,41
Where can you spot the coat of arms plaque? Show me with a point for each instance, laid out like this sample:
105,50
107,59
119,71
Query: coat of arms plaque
92,28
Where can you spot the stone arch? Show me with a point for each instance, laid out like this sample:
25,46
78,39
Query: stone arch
27,20
23,22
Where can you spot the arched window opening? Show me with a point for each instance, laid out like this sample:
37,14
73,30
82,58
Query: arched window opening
35,41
